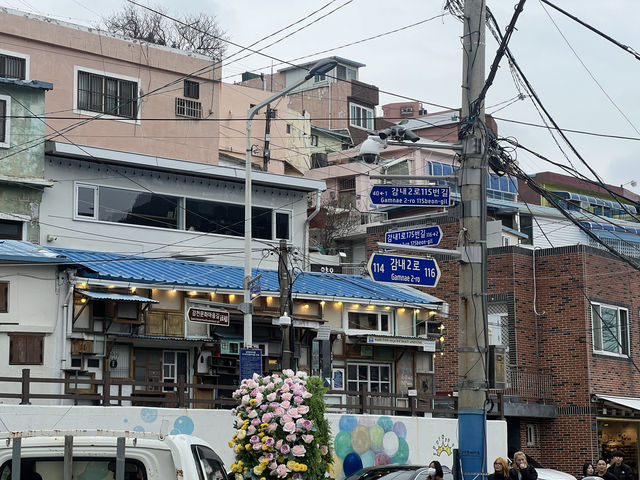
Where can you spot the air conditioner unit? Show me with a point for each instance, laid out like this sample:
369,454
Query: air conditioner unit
406,110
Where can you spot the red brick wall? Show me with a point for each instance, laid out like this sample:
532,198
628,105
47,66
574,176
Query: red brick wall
556,341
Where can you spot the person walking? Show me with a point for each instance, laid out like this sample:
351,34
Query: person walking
500,469
521,469
588,470
621,470
601,470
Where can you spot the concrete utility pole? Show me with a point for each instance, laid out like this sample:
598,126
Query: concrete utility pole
284,278
472,384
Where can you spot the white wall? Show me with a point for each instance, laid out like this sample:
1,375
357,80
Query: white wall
57,214
419,440
558,232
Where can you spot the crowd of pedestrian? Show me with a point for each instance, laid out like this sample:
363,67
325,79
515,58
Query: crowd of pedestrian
616,469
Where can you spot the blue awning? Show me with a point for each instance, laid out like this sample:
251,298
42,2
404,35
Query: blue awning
610,227
614,205
116,297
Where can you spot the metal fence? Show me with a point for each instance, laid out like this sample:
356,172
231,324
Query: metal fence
118,392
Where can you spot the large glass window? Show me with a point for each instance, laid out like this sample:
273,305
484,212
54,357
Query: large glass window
137,208
361,117
610,329
113,96
369,321
374,377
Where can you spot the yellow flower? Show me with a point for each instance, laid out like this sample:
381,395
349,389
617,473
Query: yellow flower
262,478
252,401
247,447
258,469
261,434
230,444
264,446
303,467
291,465
280,459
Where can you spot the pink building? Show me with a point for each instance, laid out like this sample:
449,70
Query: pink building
113,92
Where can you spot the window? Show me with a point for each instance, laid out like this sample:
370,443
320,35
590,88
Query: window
314,140
126,206
228,219
5,121
368,321
188,108
341,72
319,78
282,225
26,348
610,329
374,377
288,128
532,435
4,297
209,466
174,366
361,117
11,230
13,67
191,89
104,94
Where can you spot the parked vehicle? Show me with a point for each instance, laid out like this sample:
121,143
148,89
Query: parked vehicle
107,455
397,472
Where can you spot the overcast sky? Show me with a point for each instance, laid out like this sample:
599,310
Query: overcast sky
584,81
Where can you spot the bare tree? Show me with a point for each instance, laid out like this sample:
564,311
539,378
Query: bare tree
195,33
338,218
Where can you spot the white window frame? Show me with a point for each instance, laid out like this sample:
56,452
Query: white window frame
368,381
27,61
76,216
531,434
368,120
495,323
7,122
77,68
365,310
597,329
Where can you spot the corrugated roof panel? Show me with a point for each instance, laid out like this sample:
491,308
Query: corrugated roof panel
116,296
143,270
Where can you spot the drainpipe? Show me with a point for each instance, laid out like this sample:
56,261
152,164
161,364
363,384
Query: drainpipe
305,241
61,339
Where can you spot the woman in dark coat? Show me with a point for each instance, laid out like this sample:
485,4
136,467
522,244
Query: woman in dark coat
500,469
521,470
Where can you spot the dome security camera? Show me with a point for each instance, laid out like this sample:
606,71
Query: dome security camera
370,150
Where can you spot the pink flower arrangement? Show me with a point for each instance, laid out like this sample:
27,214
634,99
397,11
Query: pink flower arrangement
273,438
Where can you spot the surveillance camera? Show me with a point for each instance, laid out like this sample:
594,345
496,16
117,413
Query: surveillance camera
370,150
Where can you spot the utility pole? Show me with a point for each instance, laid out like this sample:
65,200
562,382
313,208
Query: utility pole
266,156
472,382
284,278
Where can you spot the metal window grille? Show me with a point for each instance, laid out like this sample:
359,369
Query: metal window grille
191,89
188,108
113,96
12,67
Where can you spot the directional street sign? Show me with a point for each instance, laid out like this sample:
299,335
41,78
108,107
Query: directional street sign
419,272
418,237
413,195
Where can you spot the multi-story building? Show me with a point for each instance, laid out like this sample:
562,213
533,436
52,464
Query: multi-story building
335,101
113,92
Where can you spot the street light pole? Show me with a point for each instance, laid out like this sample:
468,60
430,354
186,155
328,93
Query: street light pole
320,68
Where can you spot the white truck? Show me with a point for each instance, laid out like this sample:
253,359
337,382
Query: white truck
106,455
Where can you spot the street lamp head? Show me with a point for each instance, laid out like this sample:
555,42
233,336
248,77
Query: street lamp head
321,67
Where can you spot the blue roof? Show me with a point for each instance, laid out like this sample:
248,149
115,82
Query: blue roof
28,83
189,274
116,296
16,251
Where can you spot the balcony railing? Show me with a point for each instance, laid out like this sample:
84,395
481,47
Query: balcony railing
85,390
528,384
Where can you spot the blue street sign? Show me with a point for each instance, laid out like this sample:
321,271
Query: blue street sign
418,237
413,195
250,362
419,272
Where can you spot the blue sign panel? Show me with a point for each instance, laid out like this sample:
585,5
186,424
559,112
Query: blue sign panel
250,362
419,272
418,237
413,195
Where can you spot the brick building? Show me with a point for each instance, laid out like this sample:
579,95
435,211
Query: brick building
571,379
